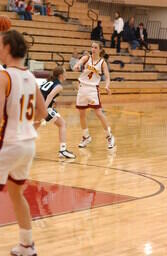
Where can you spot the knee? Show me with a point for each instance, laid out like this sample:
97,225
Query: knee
98,113
61,123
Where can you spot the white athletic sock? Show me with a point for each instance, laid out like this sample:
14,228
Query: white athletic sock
86,133
63,146
108,132
26,236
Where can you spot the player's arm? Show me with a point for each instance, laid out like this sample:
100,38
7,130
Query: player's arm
52,94
3,94
40,108
81,62
107,77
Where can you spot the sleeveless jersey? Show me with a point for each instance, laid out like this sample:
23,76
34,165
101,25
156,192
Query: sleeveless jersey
46,89
19,108
92,72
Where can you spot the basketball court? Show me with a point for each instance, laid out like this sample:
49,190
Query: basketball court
105,202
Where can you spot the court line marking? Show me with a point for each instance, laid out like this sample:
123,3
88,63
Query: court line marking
142,174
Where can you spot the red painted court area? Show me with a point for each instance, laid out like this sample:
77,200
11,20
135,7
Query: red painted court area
47,199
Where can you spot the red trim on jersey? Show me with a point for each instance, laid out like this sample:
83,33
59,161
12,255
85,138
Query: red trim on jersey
96,62
9,82
86,62
4,125
18,182
102,68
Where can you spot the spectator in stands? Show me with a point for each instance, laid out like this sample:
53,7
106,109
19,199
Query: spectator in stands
49,9
118,29
97,33
21,6
141,34
129,34
39,6
11,7
29,10
85,53
74,59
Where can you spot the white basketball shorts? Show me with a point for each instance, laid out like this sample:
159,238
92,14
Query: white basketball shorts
16,160
88,97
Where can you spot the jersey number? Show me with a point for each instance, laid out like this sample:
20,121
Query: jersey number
90,75
30,107
45,87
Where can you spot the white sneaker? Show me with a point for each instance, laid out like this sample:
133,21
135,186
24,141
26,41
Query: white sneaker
66,154
21,250
111,141
84,142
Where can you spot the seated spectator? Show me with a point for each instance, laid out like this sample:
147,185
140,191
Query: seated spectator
129,34
141,34
39,6
29,10
74,59
118,29
85,53
11,7
21,6
97,33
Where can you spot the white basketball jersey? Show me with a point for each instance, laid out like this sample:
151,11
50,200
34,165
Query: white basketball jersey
20,106
92,72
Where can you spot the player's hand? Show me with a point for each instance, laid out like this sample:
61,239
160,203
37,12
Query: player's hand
108,90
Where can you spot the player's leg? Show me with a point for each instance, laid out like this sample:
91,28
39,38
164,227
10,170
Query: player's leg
86,139
60,123
82,104
20,204
100,115
22,212
24,151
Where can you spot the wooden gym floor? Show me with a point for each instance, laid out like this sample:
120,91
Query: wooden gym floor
106,202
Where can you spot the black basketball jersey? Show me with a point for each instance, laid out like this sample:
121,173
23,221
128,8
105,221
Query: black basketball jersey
46,89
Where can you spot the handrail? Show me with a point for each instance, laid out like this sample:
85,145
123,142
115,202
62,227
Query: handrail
153,28
69,6
162,33
92,18
61,63
31,36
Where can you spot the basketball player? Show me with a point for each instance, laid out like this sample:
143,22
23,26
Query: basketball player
50,91
21,101
88,93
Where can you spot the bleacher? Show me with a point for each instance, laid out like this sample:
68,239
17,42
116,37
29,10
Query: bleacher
143,71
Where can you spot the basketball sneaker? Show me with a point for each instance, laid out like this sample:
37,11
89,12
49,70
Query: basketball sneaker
66,154
84,142
111,141
22,250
